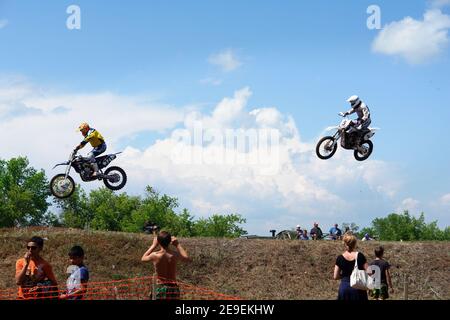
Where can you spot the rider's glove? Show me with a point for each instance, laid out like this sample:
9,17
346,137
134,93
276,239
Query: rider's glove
342,114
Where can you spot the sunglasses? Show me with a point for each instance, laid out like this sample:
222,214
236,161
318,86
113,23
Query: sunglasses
31,247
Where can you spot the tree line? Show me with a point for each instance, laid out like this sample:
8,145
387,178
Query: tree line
25,201
25,196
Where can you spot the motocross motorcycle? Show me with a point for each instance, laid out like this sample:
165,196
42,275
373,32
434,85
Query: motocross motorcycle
62,185
351,139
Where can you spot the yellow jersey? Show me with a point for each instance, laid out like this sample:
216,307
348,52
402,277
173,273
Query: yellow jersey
94,138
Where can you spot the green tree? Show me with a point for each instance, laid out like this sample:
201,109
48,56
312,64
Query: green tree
405,227
51,219
156,208
372,233
184,225
102,209
447,234
75,211
220,226
110,210
23,193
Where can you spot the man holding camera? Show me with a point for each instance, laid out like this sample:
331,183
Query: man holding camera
165,263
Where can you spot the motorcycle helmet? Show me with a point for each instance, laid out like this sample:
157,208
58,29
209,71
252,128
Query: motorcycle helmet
354,101
84,128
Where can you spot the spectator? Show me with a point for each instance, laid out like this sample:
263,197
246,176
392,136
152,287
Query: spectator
299,231
335,232
165,263
344,266
316,233
366,237
79,275
386,282
34,275
304,235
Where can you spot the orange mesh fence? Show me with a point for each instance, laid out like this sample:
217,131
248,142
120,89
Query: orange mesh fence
145,288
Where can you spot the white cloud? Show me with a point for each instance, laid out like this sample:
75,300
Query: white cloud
281,181
226,60
414,40
409,204
438,209
439,3
445,199
375,173
42,124
230,108
211,81
3,23
301,189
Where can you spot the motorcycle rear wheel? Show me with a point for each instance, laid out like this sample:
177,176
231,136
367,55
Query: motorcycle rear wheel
115,185
369,147
61,187
326,142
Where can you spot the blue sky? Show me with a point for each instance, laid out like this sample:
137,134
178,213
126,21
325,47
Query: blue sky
302,58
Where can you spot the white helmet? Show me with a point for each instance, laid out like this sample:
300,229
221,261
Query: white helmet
298,226
354,101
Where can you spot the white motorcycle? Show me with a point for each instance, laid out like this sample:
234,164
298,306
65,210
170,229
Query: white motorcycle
351,139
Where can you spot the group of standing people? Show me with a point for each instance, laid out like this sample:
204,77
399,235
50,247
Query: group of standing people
316,233
35,278
349,260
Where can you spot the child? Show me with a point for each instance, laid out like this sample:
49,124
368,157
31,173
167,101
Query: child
79,275
382,293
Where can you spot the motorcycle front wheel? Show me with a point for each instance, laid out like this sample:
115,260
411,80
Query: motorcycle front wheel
326,148
62,187
115,178
368,146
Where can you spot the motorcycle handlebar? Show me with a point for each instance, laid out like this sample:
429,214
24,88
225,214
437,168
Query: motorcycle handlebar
72,155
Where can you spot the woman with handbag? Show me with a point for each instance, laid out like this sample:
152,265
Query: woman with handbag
351,268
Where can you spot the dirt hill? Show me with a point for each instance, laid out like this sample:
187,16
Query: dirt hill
248,268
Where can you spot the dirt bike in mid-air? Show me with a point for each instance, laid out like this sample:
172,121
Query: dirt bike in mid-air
351,139
62,185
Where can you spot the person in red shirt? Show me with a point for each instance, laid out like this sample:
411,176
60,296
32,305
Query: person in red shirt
34,275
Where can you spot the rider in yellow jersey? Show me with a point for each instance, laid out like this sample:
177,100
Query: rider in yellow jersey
96,140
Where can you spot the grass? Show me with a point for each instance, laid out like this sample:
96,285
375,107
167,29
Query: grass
248,268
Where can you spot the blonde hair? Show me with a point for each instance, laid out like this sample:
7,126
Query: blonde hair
350,241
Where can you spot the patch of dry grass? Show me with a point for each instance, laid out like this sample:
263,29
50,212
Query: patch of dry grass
248,268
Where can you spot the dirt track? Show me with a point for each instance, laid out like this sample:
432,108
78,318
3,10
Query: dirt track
251,269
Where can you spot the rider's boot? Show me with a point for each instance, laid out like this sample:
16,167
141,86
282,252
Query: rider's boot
96,173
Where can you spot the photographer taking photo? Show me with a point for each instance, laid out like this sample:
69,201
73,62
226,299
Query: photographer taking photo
151,227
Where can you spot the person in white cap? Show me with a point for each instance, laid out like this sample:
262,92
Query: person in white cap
299,231
362,110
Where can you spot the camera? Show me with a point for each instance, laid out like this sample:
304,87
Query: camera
150,227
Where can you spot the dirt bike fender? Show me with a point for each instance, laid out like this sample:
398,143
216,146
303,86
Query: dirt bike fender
61,164
369,135
105,161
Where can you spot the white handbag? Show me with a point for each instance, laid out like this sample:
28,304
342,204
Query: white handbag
358,279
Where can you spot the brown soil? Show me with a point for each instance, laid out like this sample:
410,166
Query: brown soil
249,268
